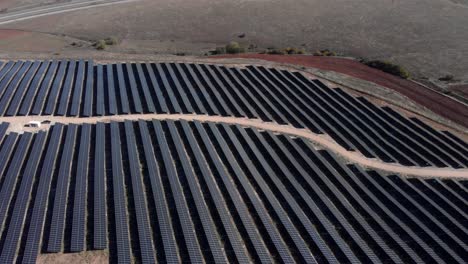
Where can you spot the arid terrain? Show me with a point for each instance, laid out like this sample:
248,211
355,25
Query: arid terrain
428,38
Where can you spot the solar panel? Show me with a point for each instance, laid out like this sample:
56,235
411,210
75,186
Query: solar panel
234,195
13,234
110,91
439,139
200,89
124,254
144,230
137,107
9,76
260,209
5,69
122,89
232,232
162,210
99,212
252,170
78,88
5,152
16,96
100,101
3,129
144,86
212,91
271,87
180,93
184,218
243,90
55,89
79,201
57,226
219,84
168,89
162,105
35,231
88,90
31,90
183,80
66,89
12,175
39,99
202,210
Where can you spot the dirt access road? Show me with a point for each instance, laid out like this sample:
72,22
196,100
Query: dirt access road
17,125
439,104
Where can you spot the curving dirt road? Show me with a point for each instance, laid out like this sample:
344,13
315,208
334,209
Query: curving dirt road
17,125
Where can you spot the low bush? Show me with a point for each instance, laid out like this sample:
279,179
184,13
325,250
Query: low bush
218,51
110,41
101,45
325,52
234,48
388,67
288,50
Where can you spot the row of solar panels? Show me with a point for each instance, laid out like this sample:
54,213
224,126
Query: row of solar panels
77,88
177,191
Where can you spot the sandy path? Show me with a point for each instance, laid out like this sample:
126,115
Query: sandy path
17,125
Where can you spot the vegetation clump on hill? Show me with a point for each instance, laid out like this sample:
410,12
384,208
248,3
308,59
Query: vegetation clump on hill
288,51
325,52
234,48
231,48
388,67
103,43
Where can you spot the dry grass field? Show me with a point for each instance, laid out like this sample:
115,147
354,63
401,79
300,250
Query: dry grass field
427,37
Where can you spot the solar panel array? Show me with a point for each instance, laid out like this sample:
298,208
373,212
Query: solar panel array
81,88
178,191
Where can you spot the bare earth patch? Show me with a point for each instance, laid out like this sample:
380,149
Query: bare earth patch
88,257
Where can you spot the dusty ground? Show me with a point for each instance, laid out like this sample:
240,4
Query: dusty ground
323,140
88,257
427,36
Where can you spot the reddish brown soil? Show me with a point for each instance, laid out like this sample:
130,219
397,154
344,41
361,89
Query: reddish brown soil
436,102
9,33
460,89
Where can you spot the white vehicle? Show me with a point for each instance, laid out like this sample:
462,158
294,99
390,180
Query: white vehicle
34,124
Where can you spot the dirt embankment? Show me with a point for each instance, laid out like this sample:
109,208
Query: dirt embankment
323,140
436,102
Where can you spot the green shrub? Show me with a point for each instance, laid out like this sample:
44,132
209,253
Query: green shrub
234,48
111,41
101,45
325,52
218,51
388,67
